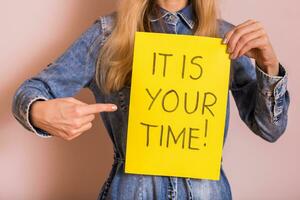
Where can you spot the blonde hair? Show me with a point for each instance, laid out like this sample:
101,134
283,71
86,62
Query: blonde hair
113,70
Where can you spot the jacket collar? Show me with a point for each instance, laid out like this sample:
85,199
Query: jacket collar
186,13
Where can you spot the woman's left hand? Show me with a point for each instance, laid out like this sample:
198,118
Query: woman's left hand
251,39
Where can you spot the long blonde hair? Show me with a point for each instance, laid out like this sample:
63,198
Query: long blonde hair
114,63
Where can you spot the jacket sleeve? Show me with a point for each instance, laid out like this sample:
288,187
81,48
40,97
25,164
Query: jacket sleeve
64,77
262,100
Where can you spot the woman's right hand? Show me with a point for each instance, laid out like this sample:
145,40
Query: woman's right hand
66,118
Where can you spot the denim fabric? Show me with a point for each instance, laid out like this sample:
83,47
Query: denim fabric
262,101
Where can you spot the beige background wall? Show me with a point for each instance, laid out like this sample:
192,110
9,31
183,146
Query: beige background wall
35,32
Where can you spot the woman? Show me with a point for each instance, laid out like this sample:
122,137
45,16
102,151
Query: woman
101,61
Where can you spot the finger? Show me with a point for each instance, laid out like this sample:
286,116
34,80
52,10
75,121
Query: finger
96,108
239,33
73,100
87,118
244,40
85,127
229,33
72,137
80,121
250,45
64,135
79,131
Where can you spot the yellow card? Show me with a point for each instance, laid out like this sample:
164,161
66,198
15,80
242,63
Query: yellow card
177,106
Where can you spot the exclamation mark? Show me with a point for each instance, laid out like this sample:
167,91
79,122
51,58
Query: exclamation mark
205,132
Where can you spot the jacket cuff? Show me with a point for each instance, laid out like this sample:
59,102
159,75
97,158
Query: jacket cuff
272,86
36,130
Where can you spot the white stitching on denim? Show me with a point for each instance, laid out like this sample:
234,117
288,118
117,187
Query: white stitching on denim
189,22
105,31
189,187
153,20
172,192
141,187
280,83
170,188
266,74
27,117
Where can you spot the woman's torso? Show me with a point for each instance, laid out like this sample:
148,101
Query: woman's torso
131,186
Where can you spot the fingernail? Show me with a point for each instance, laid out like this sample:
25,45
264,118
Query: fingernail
114,107
225,41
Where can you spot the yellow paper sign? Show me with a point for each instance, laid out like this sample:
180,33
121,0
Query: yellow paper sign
177,106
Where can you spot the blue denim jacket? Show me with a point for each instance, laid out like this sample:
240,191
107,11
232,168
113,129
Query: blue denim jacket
262,101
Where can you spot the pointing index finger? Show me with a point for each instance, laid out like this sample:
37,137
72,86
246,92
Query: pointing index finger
96,108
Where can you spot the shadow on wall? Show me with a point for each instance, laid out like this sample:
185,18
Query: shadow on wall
38,168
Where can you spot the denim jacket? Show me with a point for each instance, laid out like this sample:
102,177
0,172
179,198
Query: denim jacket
262,101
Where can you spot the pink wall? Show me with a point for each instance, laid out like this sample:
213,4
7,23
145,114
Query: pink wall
35,32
